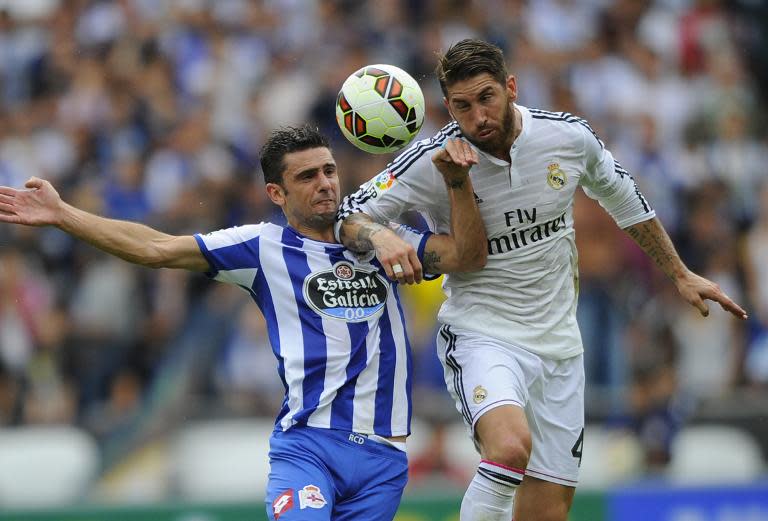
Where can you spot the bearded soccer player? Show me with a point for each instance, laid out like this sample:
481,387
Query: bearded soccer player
509,341
333,317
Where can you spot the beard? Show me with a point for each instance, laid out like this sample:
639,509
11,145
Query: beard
321,220
498,146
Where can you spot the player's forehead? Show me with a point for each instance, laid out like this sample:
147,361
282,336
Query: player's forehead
472,87
308,159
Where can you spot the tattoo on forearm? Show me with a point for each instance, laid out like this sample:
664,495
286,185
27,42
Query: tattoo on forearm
455,184
430,262
655,244
364,234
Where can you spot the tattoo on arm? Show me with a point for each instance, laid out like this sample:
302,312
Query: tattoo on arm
455,184
366,231
430,262
656,244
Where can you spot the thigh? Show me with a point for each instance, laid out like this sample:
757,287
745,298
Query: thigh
299,485
543,500
379,498
482,373
555,415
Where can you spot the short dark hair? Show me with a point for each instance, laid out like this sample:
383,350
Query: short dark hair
467,59
283,141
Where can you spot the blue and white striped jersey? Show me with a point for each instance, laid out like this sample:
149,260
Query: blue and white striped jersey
334,321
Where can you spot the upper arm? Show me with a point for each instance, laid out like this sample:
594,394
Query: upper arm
182,252
440,255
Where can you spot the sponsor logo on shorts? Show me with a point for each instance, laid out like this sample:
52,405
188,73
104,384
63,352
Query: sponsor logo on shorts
282,503
346,292
311,497
556,178
479,394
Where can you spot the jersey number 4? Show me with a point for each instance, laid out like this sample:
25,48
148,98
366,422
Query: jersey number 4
576,450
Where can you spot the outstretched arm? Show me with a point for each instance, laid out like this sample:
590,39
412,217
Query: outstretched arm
40,205
654,241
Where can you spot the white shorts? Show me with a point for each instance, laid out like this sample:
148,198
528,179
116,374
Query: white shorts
483,373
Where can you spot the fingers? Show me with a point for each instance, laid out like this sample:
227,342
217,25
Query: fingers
34,183
702,307
400,270
730,306
8,191
457,151
418,274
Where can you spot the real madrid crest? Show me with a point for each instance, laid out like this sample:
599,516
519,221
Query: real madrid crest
556,177
479,394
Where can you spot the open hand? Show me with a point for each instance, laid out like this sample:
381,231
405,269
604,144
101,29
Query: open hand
38,205
696,289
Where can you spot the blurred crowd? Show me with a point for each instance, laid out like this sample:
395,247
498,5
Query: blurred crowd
155,110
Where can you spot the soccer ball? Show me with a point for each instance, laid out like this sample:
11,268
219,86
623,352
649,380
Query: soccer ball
380,108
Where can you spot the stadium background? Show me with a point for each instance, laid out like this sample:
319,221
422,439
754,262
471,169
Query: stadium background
137,394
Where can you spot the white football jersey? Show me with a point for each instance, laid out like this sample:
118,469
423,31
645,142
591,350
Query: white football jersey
526,295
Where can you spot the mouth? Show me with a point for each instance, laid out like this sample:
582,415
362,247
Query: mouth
486,133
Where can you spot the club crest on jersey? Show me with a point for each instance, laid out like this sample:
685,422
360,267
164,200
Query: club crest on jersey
282,503
479,394
384,180
345,292
311,497
556,178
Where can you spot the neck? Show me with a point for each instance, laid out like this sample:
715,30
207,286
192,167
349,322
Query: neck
517,128
324,234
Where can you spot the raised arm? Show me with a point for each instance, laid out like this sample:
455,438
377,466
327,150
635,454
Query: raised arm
654,241
465,249
40,205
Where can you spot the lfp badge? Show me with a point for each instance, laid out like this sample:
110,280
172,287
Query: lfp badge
384,180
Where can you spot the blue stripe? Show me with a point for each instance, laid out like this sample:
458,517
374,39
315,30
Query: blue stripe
343,406
242,255
263,298
408,360
382,420
315,347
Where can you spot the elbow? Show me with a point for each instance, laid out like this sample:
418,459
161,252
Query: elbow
154,257
478,260
472,261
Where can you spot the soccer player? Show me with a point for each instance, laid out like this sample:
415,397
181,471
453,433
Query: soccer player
509,343
334,319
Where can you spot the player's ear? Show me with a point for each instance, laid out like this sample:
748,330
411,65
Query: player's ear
512,87
276,193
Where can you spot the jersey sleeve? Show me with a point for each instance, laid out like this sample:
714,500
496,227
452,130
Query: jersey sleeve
232,253
408,183
416,239
611,185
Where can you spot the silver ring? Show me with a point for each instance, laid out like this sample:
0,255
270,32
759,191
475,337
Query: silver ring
397,268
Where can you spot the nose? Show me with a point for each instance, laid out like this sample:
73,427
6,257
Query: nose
480,116
324,183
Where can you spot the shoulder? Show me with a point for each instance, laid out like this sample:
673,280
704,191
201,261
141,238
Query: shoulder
565,124
240,234
420,152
